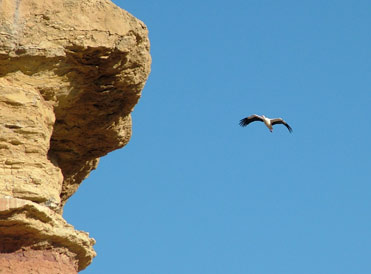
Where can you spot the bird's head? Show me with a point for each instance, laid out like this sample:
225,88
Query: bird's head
271,130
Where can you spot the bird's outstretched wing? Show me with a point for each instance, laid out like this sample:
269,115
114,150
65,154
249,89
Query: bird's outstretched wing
281,121
245,121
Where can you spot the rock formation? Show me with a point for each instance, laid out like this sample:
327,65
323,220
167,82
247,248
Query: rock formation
71,72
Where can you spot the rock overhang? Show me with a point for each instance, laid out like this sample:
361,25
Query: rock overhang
71,73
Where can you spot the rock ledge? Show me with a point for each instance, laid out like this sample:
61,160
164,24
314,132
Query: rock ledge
37,227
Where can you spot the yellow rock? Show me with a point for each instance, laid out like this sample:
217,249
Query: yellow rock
71,72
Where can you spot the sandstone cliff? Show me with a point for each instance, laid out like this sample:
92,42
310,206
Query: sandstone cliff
71,72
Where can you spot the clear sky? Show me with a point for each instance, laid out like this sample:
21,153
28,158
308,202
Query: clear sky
193,192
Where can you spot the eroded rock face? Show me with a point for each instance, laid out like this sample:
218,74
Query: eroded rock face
35,262
26,124
26,226
71,72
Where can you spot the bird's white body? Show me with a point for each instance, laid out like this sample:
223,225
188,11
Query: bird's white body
267,122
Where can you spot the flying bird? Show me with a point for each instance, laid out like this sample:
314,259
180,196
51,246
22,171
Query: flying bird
267,121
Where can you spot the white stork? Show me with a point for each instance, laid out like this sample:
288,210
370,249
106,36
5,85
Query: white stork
267,121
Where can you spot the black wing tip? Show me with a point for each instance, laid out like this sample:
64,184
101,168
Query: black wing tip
242,122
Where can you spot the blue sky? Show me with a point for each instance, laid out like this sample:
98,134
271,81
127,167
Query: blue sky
195,193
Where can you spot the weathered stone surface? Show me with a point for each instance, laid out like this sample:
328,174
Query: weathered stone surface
30,261
71,72
25,224
26,124
80,63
